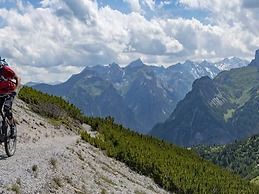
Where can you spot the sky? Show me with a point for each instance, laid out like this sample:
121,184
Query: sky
50,40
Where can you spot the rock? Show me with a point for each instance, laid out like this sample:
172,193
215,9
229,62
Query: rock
255,61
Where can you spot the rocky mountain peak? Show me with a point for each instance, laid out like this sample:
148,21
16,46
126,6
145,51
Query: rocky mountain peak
114,65
255,62
205,80
135,64
230,63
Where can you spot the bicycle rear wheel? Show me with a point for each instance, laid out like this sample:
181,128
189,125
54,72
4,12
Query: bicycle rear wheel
10,143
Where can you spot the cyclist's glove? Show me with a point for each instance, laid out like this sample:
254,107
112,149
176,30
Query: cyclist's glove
13,93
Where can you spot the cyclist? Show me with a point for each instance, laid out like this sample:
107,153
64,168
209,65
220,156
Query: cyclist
8,90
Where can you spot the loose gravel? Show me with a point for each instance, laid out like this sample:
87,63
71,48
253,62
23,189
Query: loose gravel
52,159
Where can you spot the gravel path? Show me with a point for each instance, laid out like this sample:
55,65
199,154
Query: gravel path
53,159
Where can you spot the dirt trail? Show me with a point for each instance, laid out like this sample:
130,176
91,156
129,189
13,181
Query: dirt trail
53,159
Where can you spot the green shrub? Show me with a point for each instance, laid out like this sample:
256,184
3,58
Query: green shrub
174,168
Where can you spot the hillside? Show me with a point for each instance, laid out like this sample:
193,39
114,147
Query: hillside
50,158
216,111
176,169
240,157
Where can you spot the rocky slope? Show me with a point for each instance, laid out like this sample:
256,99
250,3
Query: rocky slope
53,159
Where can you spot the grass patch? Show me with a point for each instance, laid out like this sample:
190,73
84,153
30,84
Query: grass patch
255,180
103,191
56,122
53,162
15,188
57,182
34,168
229,114
139,192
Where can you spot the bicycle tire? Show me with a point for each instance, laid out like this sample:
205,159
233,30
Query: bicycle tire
10,144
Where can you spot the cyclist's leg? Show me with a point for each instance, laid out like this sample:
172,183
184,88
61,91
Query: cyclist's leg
2,99
8,111
8,107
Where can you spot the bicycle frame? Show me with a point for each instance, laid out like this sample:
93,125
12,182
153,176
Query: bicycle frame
3,130
9,144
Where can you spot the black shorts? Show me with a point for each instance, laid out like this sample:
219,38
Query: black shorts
7,102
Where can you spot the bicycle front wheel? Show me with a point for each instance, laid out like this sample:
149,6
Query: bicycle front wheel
10,143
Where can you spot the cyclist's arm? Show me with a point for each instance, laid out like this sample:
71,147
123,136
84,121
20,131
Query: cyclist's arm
18,82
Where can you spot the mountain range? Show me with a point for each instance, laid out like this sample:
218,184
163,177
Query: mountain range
138,96
216,111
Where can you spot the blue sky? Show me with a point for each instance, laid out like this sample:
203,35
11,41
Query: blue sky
59,38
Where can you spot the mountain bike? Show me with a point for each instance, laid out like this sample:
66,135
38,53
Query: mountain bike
5,132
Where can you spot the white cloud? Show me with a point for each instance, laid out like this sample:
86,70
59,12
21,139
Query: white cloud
139,6
164,3
150,4
135,5
147,37
240,25
54,41
213,5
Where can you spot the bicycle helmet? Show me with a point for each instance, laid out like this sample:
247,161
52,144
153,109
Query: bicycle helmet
4,63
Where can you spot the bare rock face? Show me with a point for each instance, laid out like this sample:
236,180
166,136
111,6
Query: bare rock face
255,61
53,159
